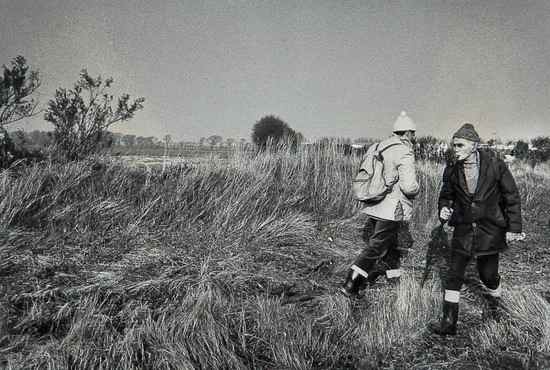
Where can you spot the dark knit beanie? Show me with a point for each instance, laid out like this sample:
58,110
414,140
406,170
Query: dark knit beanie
468,132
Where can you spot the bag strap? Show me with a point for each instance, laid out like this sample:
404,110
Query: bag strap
389,146
379,152
381,158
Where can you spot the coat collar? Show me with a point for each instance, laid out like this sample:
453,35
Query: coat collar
401,139
483,169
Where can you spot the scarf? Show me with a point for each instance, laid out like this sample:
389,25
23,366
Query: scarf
471,171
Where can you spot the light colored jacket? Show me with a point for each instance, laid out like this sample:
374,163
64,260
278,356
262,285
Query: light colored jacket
399,170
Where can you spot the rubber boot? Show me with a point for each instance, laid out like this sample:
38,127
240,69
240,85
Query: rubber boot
447,325
373,276
353,284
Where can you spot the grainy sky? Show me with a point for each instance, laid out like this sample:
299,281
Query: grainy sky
328,68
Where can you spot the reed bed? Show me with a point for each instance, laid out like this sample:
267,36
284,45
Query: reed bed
220,263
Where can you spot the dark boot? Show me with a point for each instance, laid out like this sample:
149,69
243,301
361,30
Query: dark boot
353,284
447,325
373,276
394,282
393,277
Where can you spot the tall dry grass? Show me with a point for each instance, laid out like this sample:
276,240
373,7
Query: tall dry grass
106,266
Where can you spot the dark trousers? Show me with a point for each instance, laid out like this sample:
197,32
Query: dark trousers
386,241
487,266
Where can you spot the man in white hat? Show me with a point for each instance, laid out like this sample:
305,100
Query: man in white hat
386,232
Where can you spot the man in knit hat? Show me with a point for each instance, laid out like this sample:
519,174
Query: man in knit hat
386,232
479,198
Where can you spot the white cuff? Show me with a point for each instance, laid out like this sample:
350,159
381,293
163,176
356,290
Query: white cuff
452,296
393,273
495,292
360,271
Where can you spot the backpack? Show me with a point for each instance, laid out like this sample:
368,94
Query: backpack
369,185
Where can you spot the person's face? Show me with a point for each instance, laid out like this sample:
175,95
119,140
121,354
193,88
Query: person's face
411,135
463,148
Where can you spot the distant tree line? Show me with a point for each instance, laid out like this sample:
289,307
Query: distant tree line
82,116
40,140
538,151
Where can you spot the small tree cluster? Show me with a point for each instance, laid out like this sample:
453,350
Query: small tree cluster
17,84
82,115
521,150
541,146
273,129
214,140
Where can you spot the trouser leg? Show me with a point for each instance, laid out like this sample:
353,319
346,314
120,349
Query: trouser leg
381,252
487,267
453,284
391,264
457,269
379,236
357,276
401,246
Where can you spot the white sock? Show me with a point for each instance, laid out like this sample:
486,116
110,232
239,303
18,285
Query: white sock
495,292
359,270
452,296
394,273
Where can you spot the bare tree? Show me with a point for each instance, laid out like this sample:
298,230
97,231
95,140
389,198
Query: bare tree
82,115
167,140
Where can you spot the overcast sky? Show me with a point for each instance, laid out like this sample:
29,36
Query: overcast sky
328,68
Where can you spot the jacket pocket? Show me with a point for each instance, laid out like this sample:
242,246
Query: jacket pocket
496,215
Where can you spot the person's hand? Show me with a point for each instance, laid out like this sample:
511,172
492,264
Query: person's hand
513,237
445,213
410,196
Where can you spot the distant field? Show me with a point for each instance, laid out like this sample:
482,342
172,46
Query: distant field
158,161
232,262
188,151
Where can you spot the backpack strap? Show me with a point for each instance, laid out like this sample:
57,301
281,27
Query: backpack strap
379,152
380,157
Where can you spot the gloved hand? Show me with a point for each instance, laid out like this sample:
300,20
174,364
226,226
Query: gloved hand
513,237
445,213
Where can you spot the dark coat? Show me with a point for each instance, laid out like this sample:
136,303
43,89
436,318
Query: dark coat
482,219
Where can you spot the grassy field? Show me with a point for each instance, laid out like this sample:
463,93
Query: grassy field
186,151
234,263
